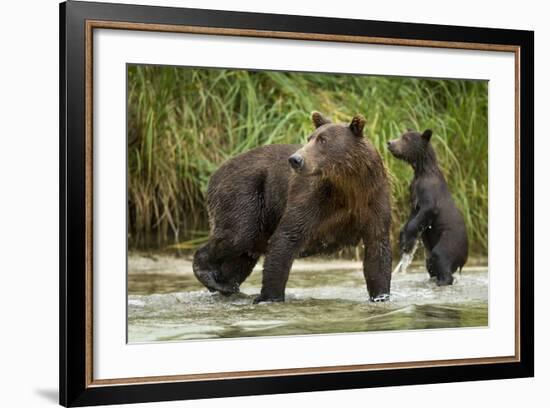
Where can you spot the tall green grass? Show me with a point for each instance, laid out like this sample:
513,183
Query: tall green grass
183,123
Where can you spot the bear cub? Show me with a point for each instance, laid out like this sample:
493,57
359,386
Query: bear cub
434,215
289,201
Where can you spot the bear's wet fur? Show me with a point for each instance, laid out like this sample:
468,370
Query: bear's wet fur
434,215
288,201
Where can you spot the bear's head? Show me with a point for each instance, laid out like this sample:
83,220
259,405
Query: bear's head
329,147
412,146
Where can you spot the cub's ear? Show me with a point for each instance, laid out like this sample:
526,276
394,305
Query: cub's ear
427,135
357,124
318,119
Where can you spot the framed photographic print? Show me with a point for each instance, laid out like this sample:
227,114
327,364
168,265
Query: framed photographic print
256,203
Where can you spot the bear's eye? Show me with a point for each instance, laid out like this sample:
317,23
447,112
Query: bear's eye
321,140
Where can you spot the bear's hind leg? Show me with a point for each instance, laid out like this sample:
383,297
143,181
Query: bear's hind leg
441,269
238,268
430,266
236,237
208,272
428,256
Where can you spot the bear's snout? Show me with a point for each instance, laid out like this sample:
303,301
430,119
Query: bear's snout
392,147
296,161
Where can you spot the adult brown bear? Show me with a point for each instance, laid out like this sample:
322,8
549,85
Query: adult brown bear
287,201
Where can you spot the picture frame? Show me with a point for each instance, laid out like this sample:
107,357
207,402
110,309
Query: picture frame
79,21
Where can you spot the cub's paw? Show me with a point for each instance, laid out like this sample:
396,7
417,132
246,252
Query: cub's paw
384,297
407,247
268,298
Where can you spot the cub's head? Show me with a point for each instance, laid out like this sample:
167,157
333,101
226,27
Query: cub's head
411,146
329,147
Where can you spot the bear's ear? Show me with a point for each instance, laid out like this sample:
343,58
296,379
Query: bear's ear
318,119
427,135
357,124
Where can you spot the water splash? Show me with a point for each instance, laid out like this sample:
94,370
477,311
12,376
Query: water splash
406,260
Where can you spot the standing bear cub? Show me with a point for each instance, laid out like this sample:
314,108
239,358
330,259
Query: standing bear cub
287,201
434,214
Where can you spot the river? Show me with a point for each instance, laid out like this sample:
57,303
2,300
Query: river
167,303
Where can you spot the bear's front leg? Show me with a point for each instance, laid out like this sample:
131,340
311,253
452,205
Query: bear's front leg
283,247
413,228
407,239
377,267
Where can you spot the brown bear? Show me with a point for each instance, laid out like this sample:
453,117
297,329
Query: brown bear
434,214
288,201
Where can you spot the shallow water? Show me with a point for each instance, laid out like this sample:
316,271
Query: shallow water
167,303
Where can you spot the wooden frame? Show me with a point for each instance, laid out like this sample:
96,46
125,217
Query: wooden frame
77,22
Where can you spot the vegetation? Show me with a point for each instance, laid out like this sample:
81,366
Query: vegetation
183,123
